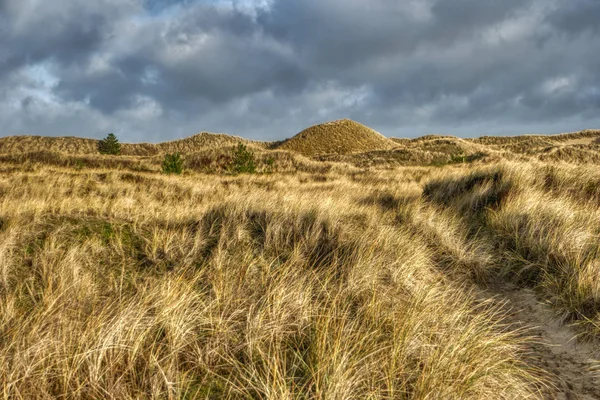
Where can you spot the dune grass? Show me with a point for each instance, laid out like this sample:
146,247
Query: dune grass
542,220
308,280
120,284
337,137
82,146
341,141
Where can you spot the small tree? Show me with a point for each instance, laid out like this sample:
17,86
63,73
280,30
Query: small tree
172,164
270,161
242,160
109,145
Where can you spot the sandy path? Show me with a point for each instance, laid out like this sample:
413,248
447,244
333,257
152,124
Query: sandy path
573,366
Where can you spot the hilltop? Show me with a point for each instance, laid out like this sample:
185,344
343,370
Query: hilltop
337,137
343,141
75,145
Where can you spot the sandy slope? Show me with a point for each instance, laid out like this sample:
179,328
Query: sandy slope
574,366
584,140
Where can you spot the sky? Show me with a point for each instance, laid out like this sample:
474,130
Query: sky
156,70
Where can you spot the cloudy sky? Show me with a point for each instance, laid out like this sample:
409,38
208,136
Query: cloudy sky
152,70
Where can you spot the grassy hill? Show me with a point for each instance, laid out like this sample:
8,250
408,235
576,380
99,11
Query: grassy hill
429,268
337,137
74,145
344,141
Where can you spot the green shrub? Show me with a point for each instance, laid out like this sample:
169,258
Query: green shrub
457,159
270,161
79,164
242,160
172,164
109,145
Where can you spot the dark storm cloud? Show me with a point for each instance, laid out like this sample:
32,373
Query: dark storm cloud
156,6
577,16
207,54
157,69
354,31
63,31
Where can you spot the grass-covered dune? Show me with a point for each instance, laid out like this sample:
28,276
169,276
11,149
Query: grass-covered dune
401,272
137,285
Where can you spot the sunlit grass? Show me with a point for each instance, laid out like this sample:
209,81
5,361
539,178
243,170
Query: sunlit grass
325,285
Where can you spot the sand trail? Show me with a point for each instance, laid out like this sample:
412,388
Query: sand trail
573,366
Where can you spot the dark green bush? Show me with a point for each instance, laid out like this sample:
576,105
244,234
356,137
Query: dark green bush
242,160
79,164
172,164
109,145
270,162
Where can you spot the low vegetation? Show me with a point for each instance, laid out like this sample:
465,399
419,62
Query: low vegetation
136,285
543,222
172,164
242,160
317,280
81,146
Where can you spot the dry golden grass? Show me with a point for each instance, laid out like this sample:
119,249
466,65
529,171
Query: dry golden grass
310,280
80,146
428,150
575,147
337,137
563,137
138,285
204,160
543,220
338,141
